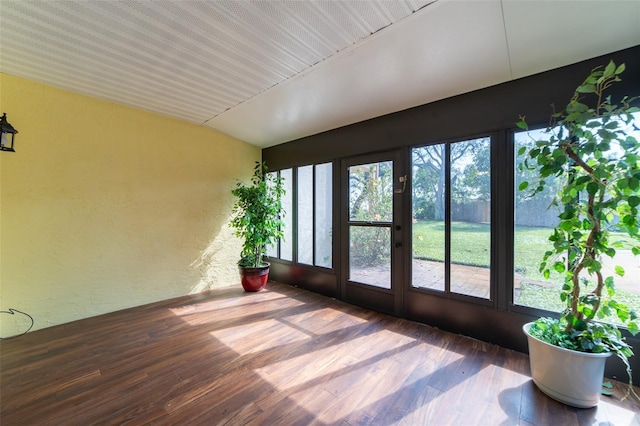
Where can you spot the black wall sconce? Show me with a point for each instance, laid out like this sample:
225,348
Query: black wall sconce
8,134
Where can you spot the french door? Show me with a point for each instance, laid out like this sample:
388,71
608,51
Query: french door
371,231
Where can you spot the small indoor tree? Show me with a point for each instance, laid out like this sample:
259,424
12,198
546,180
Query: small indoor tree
257,219
590,147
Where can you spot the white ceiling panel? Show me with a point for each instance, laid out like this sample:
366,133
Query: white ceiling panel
444,50
270,71
550,34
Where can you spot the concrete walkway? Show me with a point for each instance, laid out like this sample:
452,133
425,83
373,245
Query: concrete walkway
474,281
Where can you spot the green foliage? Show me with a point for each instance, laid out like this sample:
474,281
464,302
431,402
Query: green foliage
370,200
605,388
372,245
590,149
546,297
470,176
593,337
257,214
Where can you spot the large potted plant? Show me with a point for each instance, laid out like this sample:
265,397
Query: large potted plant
257,219
588,146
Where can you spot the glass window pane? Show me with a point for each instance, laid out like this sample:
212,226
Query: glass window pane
370,255
286,244
471,217
428,213
534,220
324,209
272,250
371,192
305,215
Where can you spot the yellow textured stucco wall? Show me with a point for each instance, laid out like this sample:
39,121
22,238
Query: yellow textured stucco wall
105,207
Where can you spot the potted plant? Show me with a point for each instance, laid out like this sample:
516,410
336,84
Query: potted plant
257,219
589,147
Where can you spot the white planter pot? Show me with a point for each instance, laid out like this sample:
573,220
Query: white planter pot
571,377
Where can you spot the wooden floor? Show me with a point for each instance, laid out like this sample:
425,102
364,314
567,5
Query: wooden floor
279,357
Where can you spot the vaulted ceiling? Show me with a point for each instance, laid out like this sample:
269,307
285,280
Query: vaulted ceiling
268,72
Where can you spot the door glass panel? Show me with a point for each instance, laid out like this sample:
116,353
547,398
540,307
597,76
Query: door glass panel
428,216
305,215
324,219
371,202
371,192
370,255
471,217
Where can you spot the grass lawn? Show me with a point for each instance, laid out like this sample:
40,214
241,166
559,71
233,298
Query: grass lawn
471,245
542,297
470,242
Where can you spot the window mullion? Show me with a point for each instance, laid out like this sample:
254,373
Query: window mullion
447,217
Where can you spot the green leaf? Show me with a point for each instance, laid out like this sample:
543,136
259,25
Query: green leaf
559,267
623,313
592,188
620,69
629,220
573,116
522,124
622,183
523,186
586,88
609,70
522,150
619,270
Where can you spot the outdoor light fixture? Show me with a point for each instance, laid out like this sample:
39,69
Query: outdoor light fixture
8,134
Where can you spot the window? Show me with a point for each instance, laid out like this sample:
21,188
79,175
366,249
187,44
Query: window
451,211
305,215
428,217
315,215
284,248
314,212
534,220
286,244
324,215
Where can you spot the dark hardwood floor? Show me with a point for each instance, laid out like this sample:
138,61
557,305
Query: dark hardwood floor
283,356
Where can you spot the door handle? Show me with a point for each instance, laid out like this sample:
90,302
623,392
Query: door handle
398,244
403,181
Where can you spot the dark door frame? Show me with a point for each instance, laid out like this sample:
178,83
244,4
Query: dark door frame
386,300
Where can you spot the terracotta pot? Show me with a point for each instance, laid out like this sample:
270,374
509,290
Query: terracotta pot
254,279
571,377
